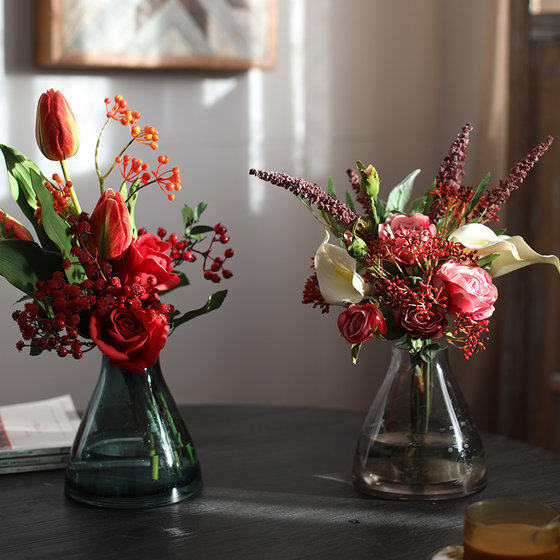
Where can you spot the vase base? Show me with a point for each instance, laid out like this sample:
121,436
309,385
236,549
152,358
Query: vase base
388,491
172,496
406,466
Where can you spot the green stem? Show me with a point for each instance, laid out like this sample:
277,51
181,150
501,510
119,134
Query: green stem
421,386
101,176
72,191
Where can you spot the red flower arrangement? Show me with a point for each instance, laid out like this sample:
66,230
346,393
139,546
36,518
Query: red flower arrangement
419,270
95,280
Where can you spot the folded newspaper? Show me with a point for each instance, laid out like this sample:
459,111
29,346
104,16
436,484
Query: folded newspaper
37,435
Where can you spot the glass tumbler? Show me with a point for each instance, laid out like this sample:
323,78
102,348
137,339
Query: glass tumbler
507,529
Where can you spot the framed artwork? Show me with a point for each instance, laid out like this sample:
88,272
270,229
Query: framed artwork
230,35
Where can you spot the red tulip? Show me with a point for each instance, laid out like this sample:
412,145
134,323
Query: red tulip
111,225
56,130
12,229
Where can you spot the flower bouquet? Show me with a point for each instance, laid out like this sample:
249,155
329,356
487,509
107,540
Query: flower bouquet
419,273
95,280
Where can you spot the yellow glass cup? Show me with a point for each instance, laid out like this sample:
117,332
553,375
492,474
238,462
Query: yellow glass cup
507,529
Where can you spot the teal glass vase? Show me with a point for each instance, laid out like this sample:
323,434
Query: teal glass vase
419,440
132,448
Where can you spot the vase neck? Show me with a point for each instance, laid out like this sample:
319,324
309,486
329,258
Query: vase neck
150,371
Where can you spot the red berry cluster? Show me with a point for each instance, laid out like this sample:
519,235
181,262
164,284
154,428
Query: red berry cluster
312,294
186,250
65,328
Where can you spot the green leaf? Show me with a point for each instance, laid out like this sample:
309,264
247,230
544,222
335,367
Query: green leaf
35,350
132,204
197,230
350,202
400,195
486,261
19,168
478,192
428,352
201,206
417,205
24,263
56,227
188,214
380,209
214,302
429,197
183,281
330,188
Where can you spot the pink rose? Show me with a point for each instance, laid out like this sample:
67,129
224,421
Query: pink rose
130,338
147,263
422,323
408,234
468,289
360,322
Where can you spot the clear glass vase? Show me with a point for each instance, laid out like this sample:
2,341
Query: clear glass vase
419,441
132,448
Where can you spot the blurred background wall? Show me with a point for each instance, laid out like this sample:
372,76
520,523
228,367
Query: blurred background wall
389,83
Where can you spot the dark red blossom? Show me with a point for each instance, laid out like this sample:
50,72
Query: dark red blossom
448,180
312,294
310,192
498,195
355,183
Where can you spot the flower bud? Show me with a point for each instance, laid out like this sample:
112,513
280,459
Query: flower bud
56,130
369,180
111,225
10,228
358,248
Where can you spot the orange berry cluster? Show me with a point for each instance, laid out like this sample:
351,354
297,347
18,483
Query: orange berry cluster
60,193
120,113
133,169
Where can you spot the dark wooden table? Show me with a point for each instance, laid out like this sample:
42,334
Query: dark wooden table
277,486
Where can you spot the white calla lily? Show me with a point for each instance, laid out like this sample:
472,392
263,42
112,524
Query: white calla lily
336,273
483,240
514,251
505,263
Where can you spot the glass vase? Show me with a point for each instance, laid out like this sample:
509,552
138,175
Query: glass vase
132,449
419,441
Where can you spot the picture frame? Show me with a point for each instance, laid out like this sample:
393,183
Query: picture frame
227,35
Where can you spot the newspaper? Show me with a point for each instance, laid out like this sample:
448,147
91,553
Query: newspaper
37,435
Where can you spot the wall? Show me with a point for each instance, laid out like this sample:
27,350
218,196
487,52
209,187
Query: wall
389,83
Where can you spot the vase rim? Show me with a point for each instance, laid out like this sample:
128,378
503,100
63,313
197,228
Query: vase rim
402,343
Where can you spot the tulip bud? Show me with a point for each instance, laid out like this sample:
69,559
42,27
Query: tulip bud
10,228
369,180
56,130
111,225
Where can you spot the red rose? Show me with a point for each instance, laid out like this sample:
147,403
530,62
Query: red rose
468,289
422,323
360,322
147,263
130,338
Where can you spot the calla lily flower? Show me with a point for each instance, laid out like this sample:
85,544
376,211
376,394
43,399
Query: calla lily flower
505,263
336,273
514,251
